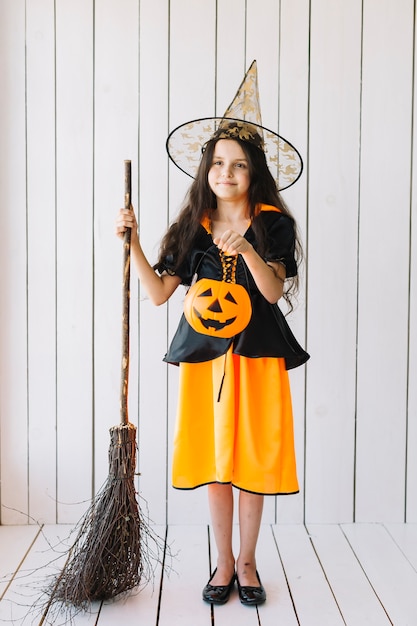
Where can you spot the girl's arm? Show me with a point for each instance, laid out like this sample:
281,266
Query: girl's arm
269,277
158,288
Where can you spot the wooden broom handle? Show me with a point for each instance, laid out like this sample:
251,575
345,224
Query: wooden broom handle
126,302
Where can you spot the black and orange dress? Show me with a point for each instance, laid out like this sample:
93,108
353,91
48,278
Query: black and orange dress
234,419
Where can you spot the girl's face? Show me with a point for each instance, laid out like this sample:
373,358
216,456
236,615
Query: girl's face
228,176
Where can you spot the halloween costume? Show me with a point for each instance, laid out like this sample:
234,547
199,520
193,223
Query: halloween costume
234,420
267,333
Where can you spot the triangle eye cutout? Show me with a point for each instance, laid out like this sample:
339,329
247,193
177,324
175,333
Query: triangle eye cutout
230,298
207,292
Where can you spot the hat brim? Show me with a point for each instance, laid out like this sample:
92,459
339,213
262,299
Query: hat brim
185,143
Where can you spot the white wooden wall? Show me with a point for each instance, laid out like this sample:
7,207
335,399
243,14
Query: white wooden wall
86,84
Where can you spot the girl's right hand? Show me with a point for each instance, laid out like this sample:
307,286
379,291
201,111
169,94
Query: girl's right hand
126,219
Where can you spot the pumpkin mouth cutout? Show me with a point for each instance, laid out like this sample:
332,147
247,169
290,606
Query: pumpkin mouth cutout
212,323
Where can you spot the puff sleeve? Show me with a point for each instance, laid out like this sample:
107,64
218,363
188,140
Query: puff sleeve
280,240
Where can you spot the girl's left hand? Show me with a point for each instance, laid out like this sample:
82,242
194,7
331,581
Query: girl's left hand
231,243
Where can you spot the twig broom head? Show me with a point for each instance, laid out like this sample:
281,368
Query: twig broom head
107,558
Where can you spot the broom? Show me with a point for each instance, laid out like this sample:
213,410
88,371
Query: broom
111,551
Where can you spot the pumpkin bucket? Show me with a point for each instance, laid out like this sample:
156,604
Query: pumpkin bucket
219,308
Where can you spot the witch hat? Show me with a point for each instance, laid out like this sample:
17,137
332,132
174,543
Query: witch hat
241,120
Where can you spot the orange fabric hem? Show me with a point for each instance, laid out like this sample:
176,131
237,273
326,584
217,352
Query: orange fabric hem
246,438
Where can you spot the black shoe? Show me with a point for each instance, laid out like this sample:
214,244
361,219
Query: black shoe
250,596
218,594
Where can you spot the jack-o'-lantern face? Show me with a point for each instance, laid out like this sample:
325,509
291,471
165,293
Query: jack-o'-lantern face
217,308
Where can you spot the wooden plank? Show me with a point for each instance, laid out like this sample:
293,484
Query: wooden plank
74,127
278,607
389,572
384,209
293,124
152,212
26,598
356,598
13,262
40,39
15,541
332,258
411,495
405,536
313,599
229,75
182,604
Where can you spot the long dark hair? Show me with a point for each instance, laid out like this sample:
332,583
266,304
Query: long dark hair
200,201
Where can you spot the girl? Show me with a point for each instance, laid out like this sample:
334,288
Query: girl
234,423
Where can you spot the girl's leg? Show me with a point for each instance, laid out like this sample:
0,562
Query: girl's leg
250,516
221,510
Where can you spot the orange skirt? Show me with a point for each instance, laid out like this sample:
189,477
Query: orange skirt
245,435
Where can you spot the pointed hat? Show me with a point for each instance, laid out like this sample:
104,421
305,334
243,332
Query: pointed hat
241,120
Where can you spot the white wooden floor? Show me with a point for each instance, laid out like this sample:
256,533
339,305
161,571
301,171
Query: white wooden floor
358,574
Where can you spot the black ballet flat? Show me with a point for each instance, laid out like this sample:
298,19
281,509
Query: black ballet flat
251,596
218,594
